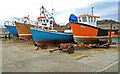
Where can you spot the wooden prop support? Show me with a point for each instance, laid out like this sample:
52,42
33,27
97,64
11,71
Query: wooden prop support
42,45
110,39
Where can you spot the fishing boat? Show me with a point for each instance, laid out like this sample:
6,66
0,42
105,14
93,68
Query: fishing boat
85,30
23,27
47,33
11,27
51,36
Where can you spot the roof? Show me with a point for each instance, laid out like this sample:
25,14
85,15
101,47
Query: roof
40,17
88,15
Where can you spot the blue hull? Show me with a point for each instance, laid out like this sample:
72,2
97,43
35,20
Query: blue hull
41,35
12,29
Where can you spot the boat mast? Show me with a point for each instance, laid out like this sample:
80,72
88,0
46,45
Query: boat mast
52,15
92,10
52,9
42,11
47,15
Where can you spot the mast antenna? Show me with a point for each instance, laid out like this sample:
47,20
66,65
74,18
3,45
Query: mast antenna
92,10
52,10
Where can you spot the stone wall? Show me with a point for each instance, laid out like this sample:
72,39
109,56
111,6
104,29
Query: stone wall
107,26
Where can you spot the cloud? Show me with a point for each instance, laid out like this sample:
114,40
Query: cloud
108,10
62,8
20,8
65,8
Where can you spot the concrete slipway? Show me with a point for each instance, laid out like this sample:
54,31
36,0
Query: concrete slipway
20,56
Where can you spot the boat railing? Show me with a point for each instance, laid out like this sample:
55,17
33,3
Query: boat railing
10,23
33,22
21,20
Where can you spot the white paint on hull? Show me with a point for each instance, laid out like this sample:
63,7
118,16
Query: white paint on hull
24,34
91,36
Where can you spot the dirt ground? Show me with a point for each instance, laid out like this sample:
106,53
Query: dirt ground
21,56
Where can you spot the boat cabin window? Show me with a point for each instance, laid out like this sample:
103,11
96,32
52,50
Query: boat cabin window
79,19
47,20
88,19
44,24
51,22
91,19
84,19
94,19
43,20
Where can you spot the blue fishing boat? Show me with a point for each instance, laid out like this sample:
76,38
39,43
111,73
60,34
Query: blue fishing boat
11,27
51,36
47,33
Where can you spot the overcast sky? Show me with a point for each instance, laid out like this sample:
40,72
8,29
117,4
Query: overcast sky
62,9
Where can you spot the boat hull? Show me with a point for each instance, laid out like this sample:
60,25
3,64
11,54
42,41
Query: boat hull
24,31
43,36
12,29
84,33
92,40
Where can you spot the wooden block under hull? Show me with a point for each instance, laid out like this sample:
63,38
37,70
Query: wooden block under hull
27,37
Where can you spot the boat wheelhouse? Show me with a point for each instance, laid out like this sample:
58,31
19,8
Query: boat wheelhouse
88,19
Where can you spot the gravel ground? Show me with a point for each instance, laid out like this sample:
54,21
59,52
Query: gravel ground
21,56
0,55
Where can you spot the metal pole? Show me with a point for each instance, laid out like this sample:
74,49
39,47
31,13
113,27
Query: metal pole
92,10
52,14
110,39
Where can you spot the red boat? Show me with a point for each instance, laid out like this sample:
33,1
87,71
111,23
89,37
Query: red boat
85,30
23,27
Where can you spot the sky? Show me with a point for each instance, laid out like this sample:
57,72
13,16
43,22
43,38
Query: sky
106,9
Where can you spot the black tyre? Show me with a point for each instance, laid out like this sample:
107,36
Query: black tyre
70,49
44,46
35,44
